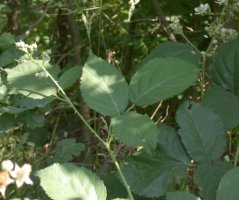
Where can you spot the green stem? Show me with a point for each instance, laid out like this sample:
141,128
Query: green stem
203,73
190,43
236,156
112,156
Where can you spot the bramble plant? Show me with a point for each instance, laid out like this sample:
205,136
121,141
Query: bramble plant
192,156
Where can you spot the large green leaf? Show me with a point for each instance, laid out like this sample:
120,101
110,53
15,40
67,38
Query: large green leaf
202,132
134,129
161,78
29,79
181,196
224,104
66,149
103,87
225,69
68,182
173,49
207,177
153,175
69,77
228,187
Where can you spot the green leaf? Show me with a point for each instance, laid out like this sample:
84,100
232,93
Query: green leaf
10,56
170,145
7,121
134,129
153,175
181,196
161,78
224,104
103,87
228,186
11,110
202,132
6,40
207,177
66,149
26,78
69,77
115,188
30,103
38,136
173,49
32,119
68,182
225,69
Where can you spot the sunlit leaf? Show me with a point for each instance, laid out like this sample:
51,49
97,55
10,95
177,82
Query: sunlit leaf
103,87
68,182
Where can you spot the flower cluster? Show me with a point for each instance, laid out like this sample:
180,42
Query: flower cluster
175,25
11,173
28,49
202,9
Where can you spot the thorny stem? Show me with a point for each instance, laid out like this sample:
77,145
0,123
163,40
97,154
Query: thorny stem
107,146
236,156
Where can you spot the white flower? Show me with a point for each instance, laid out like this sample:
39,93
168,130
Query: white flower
22,174
5,180
22,46
7,165
221,2
202,9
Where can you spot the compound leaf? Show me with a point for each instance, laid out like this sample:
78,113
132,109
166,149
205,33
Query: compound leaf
153,175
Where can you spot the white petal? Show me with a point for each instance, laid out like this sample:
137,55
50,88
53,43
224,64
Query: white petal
2,191
28,181
19,183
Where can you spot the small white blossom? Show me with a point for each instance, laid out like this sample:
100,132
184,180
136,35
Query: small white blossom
221,2
21,175
202,9
5,180
22,46
7,165
25,47
176,26
41,75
